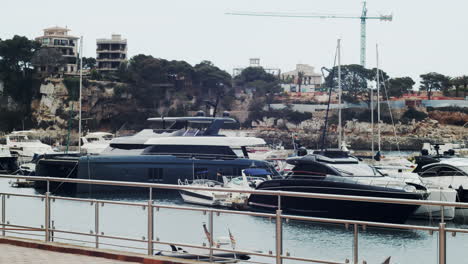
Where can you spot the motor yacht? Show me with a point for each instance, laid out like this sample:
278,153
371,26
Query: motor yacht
25,144
446,171
336,172
161,156
96,142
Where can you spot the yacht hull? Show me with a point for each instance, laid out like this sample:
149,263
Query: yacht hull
367,211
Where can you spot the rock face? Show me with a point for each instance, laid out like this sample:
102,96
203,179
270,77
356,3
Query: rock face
55,111
359,134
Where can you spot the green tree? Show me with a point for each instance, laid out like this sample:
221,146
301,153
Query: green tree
434,82
256,78
210,79
251,74
354,81
49,58
16,69
399,86
458,82
16,54
89,63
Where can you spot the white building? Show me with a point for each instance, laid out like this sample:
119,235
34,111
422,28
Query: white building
58,38
303,76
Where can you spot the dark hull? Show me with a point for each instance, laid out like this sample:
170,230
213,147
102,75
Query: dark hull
8,164
366,211
139,168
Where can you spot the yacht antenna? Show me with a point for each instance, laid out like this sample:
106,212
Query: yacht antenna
378,99
372,118
81,87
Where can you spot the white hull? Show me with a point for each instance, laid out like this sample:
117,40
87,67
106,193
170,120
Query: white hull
431,211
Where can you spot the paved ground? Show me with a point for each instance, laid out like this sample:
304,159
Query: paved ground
23,255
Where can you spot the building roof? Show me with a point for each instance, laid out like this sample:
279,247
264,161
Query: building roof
305,68
56,28
115,38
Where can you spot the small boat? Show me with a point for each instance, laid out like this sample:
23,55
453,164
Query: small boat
178,252
249,180
203,255
343,175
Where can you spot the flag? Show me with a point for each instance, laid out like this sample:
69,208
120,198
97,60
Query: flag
208,235
233,240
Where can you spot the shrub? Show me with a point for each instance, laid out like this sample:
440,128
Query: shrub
412,113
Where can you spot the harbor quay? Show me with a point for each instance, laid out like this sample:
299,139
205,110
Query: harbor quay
152,224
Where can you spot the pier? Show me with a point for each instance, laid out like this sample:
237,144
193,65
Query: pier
151,235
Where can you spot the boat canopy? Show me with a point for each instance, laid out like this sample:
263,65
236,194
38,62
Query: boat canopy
235,142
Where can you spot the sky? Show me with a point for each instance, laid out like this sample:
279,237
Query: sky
424,36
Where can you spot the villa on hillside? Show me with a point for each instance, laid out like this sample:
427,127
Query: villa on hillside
58,38
303,77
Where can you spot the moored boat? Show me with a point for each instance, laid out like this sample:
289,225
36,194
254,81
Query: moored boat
342,175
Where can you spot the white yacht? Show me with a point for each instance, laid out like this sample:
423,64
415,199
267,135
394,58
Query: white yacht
448,172
96,142
25,144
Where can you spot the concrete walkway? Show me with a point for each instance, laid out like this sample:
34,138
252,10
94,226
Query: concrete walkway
16,255
14,250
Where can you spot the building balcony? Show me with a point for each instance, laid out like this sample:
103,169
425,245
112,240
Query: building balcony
111,51
110,59
108,68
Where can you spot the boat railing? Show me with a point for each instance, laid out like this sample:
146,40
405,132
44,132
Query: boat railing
49,233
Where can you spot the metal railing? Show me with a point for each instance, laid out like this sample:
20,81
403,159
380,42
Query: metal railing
50,231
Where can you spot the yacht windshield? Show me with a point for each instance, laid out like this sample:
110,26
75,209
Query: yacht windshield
356,170
464,168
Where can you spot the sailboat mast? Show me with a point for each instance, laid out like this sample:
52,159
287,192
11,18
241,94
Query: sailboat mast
372,117
81,87
378,97
340,129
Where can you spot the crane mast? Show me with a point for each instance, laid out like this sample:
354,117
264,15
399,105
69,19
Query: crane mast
363,17
363,34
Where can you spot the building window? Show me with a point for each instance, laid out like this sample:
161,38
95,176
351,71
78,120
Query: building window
155,174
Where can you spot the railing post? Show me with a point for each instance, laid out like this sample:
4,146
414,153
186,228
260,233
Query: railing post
47,216
96,222
3,213
355,244
279,237
210,226
442,214
150,222
442,244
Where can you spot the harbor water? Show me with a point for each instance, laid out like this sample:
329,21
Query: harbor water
301,239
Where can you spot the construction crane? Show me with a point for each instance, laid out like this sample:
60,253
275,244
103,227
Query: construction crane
363,19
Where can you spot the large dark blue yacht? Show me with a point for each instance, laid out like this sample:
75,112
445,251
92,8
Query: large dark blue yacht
190,148
338,173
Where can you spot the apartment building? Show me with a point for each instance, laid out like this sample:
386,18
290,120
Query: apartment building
110,53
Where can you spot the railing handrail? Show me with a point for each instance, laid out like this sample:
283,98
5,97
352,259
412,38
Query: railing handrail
261,192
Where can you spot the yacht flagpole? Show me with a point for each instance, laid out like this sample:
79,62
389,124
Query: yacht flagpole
81,87
378,98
